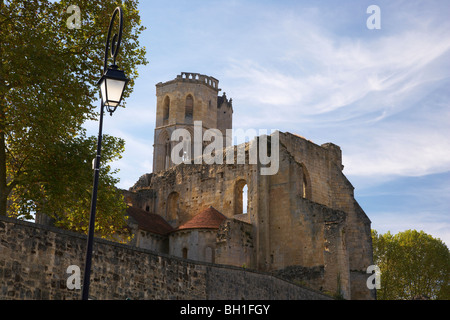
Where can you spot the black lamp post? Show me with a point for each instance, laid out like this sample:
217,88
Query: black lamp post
112,85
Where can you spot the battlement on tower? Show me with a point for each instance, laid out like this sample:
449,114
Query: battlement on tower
192,77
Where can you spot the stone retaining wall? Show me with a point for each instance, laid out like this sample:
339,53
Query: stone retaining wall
34,261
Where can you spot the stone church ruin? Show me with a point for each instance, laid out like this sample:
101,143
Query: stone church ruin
301,223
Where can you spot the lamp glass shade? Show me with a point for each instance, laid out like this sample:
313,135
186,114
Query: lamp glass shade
112,85
112,91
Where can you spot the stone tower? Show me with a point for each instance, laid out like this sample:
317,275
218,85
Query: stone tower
180,102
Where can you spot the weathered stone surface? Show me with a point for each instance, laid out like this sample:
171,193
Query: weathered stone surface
34,260
304,215
302,222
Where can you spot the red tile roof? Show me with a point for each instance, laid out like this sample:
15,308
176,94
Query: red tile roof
150,222
209,218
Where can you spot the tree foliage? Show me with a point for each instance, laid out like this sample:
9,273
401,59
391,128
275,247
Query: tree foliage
412,264
48,76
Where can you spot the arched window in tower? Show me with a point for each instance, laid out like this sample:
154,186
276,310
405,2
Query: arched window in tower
305,185
166,110
189,109
241,197
162,151
167,152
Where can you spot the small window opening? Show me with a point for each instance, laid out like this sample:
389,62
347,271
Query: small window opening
189,109
166,109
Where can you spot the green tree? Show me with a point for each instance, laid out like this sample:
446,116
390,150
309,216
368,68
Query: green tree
412,264
61,186
48,76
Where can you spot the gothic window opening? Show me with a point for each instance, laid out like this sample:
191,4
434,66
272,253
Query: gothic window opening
189,109
163,150
241,197
166,110
245,199
304,186
185,253
167,151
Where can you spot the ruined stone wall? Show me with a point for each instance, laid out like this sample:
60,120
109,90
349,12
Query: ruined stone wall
235,244
320,163
331,188
290,224
305,215
141,198
150,241
200,186
224,115
320,167
310,236
34,261
199,244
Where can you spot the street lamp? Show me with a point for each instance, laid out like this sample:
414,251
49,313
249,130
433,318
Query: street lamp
112,85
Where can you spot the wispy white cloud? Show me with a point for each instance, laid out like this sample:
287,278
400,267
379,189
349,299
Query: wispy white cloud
319,79
344,72
310,68
400,149
313,68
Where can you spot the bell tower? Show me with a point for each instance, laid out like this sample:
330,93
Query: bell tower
179,102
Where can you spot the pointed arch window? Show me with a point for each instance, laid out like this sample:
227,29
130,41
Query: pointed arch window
241,197
163,151
166,110
189,109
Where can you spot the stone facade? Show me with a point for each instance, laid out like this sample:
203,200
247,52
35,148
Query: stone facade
34,260
303,217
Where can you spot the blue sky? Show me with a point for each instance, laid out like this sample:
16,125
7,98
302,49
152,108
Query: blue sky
315,69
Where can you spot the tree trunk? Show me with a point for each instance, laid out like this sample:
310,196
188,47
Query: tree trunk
4,192
3,184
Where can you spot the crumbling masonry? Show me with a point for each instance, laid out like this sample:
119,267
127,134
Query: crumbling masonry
302,223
